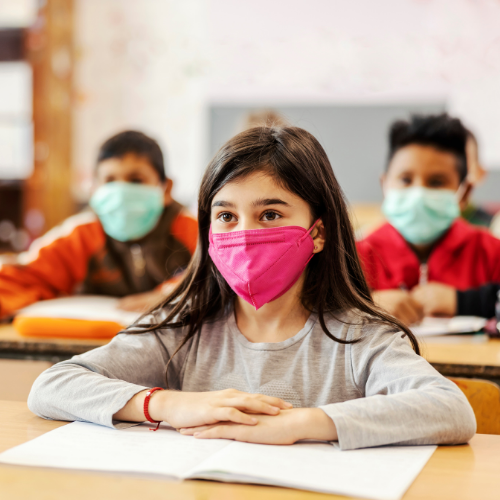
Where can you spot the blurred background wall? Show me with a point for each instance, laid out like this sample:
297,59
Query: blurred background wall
187,71
141,65
354,136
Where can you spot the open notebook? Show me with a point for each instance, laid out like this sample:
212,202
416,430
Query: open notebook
448,326
80,316
374,473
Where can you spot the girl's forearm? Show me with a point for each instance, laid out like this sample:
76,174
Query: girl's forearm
133,411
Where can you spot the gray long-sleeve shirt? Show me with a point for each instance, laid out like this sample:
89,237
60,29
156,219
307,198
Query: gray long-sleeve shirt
377,391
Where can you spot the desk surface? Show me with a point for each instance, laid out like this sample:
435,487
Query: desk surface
14,345
464,355
454,472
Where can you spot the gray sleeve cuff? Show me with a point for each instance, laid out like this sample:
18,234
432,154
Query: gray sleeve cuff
341,421
119,400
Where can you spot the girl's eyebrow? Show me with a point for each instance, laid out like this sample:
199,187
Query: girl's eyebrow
226,204
263,202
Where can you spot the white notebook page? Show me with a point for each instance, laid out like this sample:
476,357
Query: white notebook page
375,473
94,447
448,326
83,307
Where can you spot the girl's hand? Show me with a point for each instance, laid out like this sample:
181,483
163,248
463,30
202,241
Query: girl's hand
286,428
194,409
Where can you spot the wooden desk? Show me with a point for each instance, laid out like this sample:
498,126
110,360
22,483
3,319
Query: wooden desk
463,472
452,355
15,346
464,355
366,217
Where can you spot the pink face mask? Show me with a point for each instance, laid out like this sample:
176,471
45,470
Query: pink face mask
260,265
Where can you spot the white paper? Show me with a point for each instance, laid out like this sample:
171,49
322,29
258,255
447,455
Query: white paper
85,307
87,446
448,326
375,473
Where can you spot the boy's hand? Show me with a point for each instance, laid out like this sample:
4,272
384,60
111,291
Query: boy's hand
437,299
401,304
141,302
286,428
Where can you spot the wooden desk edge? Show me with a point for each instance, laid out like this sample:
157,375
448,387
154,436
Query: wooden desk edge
453,472
465,370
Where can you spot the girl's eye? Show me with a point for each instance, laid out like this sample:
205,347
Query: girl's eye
226,217
270,216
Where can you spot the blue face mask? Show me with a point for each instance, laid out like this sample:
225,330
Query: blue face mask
127,211
421,215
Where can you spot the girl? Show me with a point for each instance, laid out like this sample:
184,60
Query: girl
272,335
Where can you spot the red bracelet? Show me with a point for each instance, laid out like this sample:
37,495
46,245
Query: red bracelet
146,407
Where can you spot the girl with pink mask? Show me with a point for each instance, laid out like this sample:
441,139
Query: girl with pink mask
272,336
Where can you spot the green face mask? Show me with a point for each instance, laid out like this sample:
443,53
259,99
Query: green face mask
420,214
127,211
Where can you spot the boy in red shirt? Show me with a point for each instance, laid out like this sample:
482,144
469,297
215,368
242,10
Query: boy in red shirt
426,256
132,244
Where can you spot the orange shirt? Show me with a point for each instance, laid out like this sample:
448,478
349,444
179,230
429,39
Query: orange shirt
78,256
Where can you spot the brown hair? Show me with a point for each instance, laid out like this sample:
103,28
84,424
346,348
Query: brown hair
132,141
264,118
334,278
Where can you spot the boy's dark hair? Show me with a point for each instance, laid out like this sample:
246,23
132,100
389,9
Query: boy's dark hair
137,143
439,131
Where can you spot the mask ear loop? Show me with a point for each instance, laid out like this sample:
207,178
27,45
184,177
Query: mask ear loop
309,231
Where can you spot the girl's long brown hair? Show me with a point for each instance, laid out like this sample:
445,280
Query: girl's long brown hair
334,278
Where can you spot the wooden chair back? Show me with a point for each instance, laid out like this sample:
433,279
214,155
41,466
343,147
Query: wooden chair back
484,397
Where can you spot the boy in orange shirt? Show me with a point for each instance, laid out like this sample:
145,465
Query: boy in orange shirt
132,244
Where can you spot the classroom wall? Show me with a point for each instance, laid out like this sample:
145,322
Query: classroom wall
361,51
140,65
168,62
354,138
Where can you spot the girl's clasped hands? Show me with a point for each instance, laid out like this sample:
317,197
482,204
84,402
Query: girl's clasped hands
233,414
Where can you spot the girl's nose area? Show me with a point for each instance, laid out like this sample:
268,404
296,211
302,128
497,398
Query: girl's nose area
248,223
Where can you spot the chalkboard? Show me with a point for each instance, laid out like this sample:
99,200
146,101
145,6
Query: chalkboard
354,137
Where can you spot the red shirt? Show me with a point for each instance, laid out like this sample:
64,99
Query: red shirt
465,257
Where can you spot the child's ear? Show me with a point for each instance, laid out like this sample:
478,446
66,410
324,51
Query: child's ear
318,236
167,195
382,182
464,194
